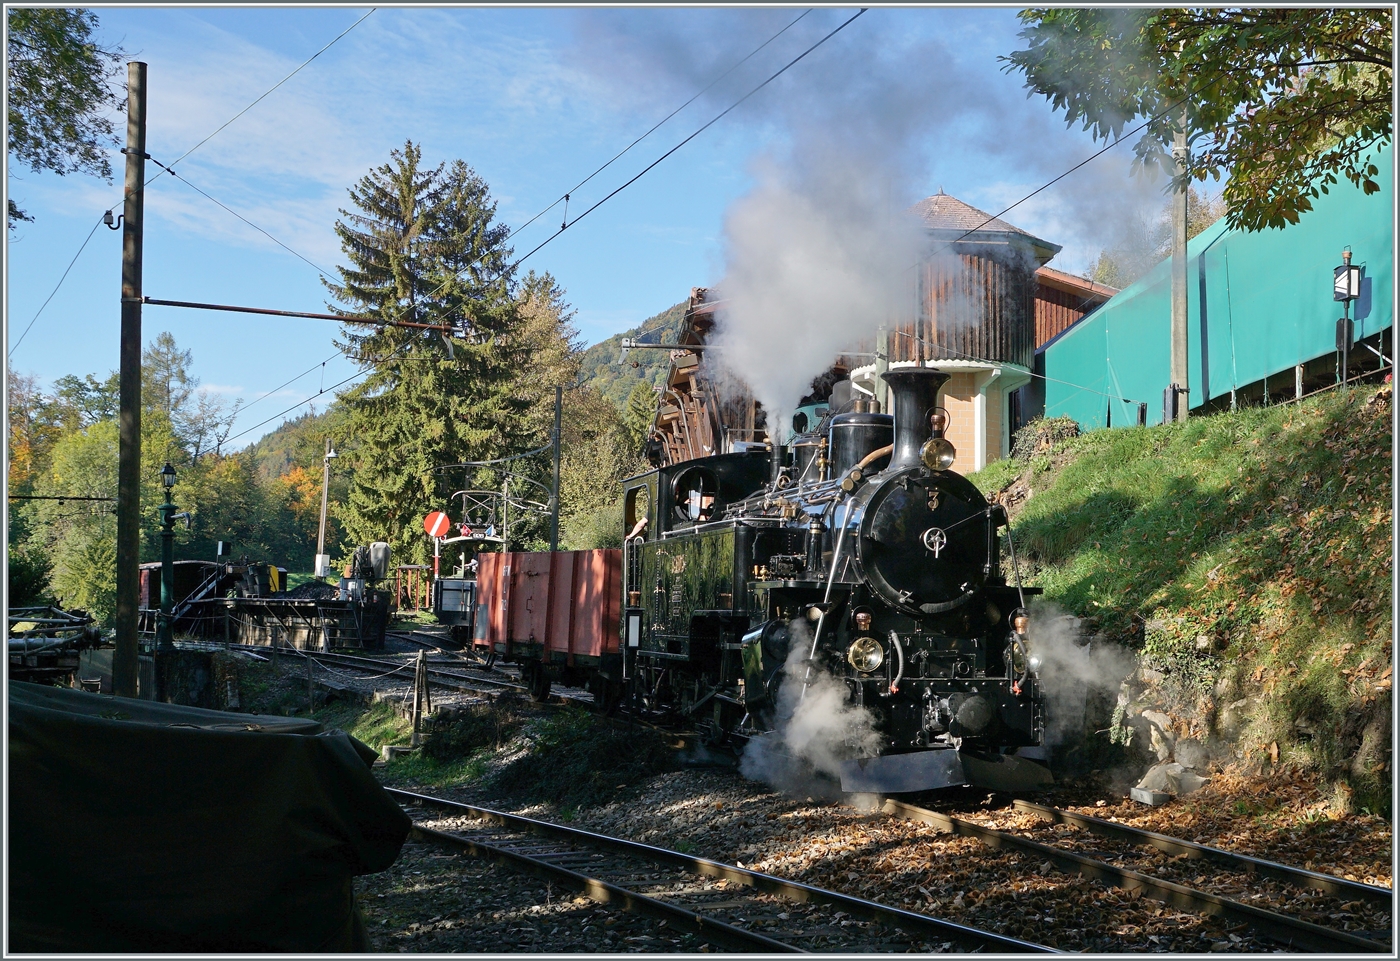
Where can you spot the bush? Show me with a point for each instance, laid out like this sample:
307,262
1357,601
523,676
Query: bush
1042,434
476,727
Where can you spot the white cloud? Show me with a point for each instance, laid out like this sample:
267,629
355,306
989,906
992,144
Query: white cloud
220,389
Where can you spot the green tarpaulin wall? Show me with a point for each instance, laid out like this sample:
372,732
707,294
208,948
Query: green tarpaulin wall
142,827
1259,304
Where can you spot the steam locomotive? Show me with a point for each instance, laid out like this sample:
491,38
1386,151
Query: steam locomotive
853,553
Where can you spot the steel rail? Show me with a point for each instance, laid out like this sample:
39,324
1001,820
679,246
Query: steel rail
920,924
1289,931
435,675
1340,887
716,932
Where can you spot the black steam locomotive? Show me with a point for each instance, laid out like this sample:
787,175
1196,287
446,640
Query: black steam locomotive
854,552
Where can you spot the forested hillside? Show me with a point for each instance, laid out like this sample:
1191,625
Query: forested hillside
599,367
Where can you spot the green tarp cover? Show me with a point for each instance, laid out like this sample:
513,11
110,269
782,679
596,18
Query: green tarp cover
136,826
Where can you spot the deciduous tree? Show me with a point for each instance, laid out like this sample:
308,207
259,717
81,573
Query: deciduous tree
1280,100
60,94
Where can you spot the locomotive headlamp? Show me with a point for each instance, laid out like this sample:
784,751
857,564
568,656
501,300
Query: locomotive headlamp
937,454
866,655
1020,622
1034,662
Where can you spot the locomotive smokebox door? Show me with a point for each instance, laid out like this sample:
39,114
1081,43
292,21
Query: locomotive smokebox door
923,543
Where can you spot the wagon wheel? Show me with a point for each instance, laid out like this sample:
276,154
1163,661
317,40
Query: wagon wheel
607,694
536,678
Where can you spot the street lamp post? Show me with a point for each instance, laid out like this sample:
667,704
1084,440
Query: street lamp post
1346,287
323,563
164,634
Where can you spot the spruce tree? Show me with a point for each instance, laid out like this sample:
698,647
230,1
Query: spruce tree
423,245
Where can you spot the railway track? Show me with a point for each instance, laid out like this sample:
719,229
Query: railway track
726,905
1286,929
436,675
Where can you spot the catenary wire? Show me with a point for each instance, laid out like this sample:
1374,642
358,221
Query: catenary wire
634,143
298,377
688,139
668,153
186,181
660,122
55,287
1094,156
365,370
279,83
172,173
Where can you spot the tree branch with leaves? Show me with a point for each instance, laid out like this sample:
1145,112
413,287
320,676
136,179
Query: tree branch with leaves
61,94
1281,101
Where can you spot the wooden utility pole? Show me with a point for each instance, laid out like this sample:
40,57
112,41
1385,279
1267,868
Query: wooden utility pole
1181,400
124,658
554,492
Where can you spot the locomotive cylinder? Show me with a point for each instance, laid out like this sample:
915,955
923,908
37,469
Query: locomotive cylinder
854,436
915,392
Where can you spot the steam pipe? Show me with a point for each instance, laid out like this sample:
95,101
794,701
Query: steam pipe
777,460
821,616
915,391
899,653
873,456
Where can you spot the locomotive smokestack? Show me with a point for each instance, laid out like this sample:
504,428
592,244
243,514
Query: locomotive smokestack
915,391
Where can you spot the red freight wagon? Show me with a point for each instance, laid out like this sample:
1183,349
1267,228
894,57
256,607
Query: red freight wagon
556,614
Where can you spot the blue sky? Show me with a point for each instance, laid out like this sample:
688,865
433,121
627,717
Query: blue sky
534,100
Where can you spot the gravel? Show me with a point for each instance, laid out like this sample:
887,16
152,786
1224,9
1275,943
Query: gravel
432,901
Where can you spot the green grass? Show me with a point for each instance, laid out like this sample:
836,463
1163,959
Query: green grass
570,758
1266,530
376,725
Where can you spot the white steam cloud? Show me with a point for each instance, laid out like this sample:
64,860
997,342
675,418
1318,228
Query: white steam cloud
1071,669
816,261
815,731
818,253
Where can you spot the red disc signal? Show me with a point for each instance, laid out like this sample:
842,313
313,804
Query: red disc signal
437,524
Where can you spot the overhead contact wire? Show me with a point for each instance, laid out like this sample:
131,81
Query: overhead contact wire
784,69
177,160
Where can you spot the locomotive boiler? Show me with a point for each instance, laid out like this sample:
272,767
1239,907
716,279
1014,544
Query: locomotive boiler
854,553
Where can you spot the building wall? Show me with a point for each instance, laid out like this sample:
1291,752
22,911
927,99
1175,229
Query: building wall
1057,309
958,398
1258,304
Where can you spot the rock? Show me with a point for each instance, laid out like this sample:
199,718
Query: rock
1161,736
1204,642
1158,777
1151,798
1235,717
1150,676
1188,783
1191,753
1172,778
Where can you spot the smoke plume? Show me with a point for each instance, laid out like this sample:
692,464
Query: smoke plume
1071,668
816,254
815,731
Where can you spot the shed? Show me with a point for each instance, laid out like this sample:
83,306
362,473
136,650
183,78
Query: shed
1262,324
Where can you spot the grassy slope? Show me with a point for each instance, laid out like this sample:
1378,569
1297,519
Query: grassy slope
1265,531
